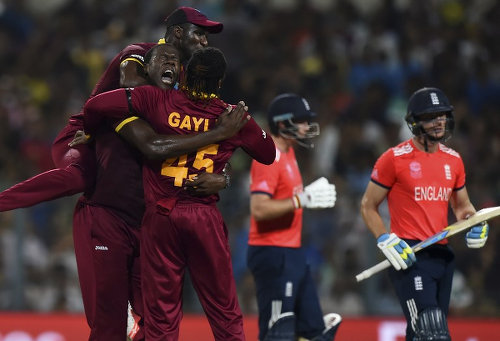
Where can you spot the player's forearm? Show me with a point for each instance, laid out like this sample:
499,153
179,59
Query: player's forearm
167,146
373,220
461,205
271,208
372,198
157,147
463,212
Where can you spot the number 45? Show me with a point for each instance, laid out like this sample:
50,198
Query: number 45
180,171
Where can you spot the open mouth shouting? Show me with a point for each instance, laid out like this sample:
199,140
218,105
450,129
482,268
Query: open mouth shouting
168,77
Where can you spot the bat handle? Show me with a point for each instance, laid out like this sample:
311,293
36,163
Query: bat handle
373,270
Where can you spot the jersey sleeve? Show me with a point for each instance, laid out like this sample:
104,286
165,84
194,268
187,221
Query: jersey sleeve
257,143
134,53
119,106
263,178
111,104
383,173
460,175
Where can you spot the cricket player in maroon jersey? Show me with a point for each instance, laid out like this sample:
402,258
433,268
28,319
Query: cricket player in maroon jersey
420,178
180,230
289,307
109,218
187,28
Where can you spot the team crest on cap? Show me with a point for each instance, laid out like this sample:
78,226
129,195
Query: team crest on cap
434,98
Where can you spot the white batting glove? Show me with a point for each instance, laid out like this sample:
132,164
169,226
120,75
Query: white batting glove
477,235
318,194
397,251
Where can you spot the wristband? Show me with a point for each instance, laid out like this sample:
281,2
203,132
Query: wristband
296,202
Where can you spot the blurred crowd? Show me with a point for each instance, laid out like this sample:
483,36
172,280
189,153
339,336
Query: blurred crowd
356,61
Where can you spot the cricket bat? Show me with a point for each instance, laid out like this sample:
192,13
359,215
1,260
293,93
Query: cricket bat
459,226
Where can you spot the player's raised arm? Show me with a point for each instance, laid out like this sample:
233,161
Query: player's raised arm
132,73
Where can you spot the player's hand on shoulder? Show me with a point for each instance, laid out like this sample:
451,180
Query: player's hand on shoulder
318,194
79,138
397,251
205,184
232,120
477,235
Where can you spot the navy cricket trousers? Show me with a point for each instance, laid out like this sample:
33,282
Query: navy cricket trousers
284,284
426,284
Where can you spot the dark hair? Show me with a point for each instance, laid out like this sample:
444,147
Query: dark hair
204,71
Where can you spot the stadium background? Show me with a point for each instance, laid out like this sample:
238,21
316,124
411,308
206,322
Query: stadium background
357,61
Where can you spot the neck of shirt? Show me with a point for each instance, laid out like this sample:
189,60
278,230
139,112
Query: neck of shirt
419,142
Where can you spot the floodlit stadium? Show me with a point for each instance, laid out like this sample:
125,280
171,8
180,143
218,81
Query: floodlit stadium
356,62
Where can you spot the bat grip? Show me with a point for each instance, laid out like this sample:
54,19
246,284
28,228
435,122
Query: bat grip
373,270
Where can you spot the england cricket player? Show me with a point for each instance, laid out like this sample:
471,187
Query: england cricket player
288,303
420,178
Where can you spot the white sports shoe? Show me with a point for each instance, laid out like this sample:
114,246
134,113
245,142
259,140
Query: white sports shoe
332,322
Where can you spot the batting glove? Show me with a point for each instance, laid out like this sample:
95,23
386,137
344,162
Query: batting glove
477,235
318,194
397,251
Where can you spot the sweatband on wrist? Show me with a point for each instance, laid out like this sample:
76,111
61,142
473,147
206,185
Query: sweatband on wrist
296,202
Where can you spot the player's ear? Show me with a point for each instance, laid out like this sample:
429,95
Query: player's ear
178,31
146,69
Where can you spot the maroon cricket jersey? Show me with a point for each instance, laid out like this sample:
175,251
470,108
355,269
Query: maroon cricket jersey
119,168
172,112
119,177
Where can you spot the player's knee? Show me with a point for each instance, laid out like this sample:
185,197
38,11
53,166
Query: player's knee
283,329
431,325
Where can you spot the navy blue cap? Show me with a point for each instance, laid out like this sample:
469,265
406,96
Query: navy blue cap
426,101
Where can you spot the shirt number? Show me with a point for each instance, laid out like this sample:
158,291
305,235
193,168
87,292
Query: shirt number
178,168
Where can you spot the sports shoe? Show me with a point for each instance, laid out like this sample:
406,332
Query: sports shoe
332,322
283,329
